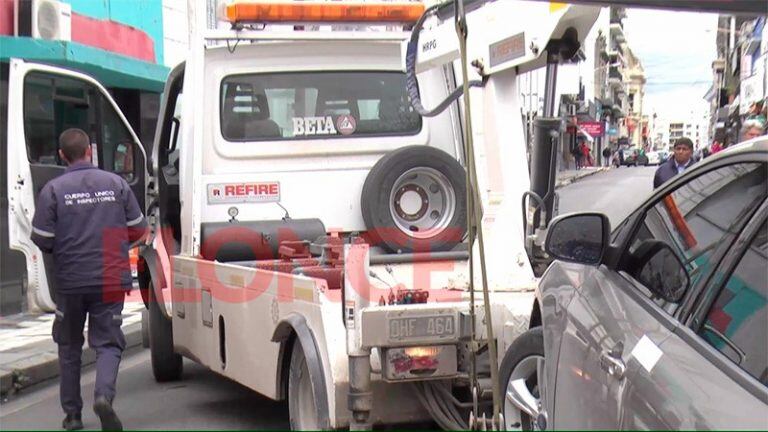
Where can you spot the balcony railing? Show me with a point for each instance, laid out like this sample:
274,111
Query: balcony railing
614,75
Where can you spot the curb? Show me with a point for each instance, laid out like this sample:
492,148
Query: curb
566,182
40,367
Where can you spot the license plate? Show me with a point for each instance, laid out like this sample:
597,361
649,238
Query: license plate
429,327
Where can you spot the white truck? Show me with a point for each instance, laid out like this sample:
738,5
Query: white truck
309,225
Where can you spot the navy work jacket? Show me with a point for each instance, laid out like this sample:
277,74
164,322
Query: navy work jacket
667,170
87,218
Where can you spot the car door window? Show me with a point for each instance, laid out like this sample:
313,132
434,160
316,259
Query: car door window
54,103
737,322
698,217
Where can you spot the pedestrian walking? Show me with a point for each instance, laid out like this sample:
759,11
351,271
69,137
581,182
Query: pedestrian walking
577,156
606,157
586,156
77,214
679,162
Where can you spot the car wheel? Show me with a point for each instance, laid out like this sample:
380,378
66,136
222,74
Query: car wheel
519,379
302,408
414,199
166,364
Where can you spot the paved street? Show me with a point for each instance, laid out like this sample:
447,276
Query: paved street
615,192
204,400
201,400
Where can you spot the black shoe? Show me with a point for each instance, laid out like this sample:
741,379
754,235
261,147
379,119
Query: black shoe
72,422
109,420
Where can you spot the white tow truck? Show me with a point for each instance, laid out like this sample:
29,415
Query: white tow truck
310,226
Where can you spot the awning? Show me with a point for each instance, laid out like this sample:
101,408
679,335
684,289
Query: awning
585,134
112,70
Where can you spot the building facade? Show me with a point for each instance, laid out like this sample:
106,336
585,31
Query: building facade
739,79
600,97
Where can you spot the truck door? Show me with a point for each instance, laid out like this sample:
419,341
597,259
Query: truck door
43,101
165,164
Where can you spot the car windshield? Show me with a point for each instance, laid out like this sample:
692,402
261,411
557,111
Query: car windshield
306,105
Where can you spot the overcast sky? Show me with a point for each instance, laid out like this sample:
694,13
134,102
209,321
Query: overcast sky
677,50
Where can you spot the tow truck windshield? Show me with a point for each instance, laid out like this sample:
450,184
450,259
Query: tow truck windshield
306,105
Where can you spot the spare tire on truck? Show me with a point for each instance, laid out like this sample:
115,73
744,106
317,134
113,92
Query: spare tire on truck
415,200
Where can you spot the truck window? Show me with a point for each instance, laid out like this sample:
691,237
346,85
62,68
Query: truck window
268,107
54,103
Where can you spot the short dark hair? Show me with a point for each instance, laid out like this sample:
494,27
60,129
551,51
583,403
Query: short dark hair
685,142
73,143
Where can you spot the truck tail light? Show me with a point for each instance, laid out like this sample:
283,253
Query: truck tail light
420,362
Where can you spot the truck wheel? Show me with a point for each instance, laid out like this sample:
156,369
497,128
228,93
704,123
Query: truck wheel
520,362
144,328
166,364
302,408
414,199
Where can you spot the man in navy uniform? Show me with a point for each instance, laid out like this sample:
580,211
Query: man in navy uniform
679,162
79,215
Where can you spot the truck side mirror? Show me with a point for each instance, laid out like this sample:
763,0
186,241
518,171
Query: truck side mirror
658,268
580,237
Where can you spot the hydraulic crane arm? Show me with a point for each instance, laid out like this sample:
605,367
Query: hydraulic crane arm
737,7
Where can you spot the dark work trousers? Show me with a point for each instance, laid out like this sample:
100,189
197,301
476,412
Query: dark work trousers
104,311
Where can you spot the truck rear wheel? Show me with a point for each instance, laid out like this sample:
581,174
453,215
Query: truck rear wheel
166,364
302,408
414,199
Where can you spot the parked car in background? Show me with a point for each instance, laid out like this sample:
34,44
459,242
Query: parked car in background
654,158
642,158
664,318
664,155
625,157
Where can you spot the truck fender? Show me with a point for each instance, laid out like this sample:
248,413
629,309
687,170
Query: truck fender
148,270
297,324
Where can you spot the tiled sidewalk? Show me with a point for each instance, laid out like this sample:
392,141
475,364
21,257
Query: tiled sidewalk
28,354
564,178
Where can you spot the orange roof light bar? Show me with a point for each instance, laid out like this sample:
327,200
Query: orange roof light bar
323,11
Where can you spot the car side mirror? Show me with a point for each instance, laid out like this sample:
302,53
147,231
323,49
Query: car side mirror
579,237
660,269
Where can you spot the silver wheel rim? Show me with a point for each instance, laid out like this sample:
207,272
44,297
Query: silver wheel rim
525,369
307,415
422,202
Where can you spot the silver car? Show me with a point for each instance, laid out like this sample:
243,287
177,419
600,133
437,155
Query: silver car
661,323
